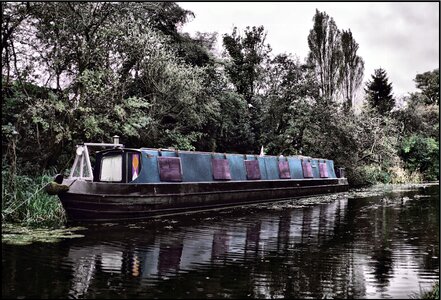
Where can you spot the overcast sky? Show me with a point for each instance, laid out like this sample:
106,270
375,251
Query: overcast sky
400,37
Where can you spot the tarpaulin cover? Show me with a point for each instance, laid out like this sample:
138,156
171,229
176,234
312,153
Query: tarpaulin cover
221,169
253,170
262,167
196,167
295,168
170,168
323,170
307,169
271,167
284,169
236,167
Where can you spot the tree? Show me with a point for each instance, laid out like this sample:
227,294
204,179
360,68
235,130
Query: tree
379,92
13,16
421,154
120,76
245,69
428,83
352,68
324,41
419,119
290,92
247,54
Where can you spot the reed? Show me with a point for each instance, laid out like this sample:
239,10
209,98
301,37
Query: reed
24,201
431,294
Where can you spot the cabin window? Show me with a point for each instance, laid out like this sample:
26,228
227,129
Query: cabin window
323,168
111,168
82,167
307,169
221,169
253,169
284,169
133,166
170,168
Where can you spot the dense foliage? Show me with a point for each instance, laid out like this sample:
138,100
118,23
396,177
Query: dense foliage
85,71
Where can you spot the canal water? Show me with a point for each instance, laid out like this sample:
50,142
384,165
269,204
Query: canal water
381,242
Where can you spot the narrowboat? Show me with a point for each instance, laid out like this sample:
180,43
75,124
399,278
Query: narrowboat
134,184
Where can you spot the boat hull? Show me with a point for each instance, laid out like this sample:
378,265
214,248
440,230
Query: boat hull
107,202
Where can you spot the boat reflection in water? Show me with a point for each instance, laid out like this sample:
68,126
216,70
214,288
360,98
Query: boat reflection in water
343,248
263,248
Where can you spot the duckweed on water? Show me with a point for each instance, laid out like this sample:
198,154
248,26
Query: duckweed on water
379,189
20,235
302,202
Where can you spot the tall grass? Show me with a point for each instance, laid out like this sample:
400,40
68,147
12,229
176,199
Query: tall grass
433,294
24,201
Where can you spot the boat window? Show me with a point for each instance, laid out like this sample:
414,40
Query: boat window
253,169
284,169
170,168
133,166
323,170
111,168
221,169
307,169
82,168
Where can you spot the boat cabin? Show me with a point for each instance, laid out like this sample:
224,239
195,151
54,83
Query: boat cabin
147,165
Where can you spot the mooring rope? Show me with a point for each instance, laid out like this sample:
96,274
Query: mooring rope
27,199
7,212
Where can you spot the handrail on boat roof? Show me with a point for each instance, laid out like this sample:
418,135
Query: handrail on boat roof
103,145
189,151
205,152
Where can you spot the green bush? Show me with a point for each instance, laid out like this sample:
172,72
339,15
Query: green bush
421,154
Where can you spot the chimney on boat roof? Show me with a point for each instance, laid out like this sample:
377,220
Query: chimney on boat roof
116,139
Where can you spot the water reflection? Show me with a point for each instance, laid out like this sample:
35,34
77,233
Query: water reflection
347,248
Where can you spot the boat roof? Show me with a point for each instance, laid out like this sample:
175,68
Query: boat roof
143,149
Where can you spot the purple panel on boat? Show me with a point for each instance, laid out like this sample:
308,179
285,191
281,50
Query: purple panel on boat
323,170
170,168
221,169
307,169
253,170
284,169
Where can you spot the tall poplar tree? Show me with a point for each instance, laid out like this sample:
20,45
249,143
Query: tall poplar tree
325,53
352,68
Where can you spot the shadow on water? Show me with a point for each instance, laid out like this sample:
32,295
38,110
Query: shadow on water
373,243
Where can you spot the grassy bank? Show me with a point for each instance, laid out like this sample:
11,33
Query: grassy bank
24,201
